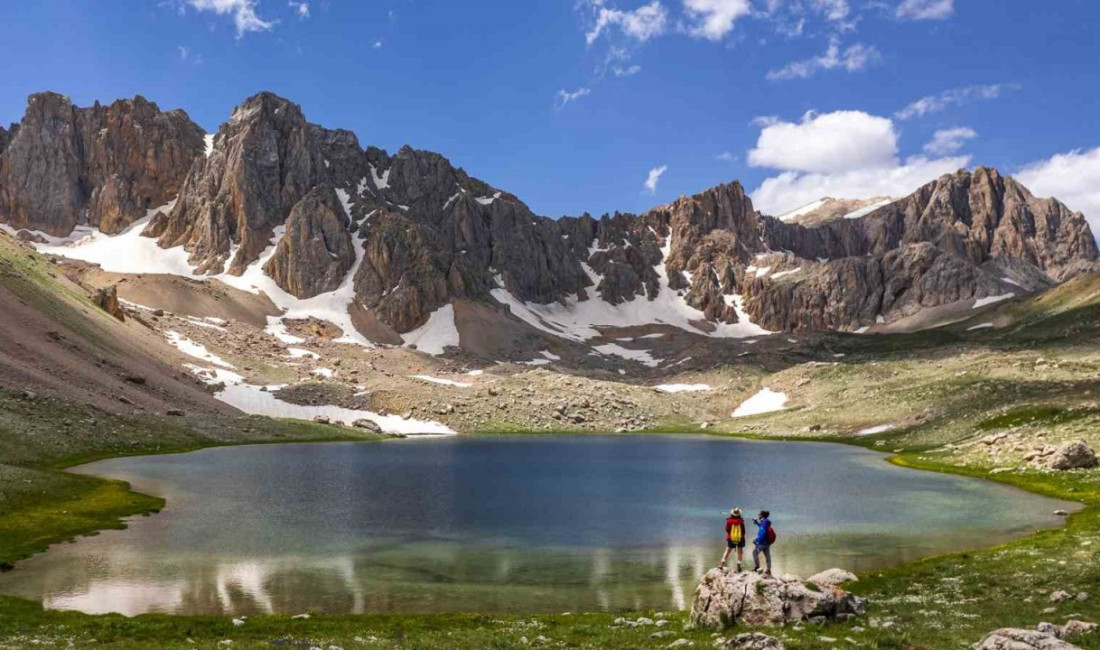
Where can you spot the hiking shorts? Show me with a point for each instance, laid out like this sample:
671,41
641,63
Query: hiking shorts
732,544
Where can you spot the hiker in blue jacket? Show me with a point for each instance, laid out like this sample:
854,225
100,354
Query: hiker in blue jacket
765,536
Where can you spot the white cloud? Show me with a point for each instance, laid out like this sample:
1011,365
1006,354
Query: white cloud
844,154
789,190
947,141
954,96
184,52
926,9
301,8
243,12
853,58
713,19
836,10
826,143
641,24
726,156
565,97
654,176
628,71
1073,178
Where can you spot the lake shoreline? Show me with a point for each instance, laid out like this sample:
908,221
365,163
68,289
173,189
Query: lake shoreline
1064,487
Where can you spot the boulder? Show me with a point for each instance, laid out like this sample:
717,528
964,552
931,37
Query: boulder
107,299
1076,454
724,599
1009,638
751,641
321,419
832,577
1077,628
363,423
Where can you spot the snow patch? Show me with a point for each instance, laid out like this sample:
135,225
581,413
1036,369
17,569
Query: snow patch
208,139
868,209
441,381
381,182
682,388
258,400
765,401
299,353
436,334
989,300
641,356
982,326
870,431
806,209
193,349
327,373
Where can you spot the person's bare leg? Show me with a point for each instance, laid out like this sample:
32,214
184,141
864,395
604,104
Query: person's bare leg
740,557
725,556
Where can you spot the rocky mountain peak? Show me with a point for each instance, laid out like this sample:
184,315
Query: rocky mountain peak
409,232
103,165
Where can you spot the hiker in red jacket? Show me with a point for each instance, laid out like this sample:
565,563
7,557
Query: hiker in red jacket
735,538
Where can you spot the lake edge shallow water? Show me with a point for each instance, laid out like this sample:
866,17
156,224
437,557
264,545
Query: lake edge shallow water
683,564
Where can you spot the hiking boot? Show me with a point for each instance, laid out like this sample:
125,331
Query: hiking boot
739,567
721,565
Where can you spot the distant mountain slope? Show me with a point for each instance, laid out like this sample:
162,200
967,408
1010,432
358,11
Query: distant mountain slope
381,244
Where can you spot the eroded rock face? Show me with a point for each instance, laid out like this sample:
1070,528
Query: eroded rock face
103,165
435,234
265,160
724,599
317,251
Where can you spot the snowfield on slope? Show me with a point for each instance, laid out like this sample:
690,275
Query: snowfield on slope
765,401
259,400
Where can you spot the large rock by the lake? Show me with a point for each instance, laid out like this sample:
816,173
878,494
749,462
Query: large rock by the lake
725,599
1076,454
1010,638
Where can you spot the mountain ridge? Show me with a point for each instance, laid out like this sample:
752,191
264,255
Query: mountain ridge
412,233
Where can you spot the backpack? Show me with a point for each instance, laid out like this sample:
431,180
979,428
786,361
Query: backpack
770,535
735,531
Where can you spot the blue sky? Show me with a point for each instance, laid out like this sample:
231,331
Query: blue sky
575,104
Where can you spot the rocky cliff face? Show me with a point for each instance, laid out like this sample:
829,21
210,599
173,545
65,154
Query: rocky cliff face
412,232
317,251
103,165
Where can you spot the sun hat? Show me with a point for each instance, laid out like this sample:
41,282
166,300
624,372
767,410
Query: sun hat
736,512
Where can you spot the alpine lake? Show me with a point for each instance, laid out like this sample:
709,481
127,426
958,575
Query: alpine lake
502,524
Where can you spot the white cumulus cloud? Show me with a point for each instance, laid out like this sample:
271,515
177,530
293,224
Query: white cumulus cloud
852,58
844,154
243,12
640,24
828,142
713,19
653,177
926,9
1073,178
948,141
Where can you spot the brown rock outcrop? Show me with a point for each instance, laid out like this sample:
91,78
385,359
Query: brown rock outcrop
106,165
317,250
